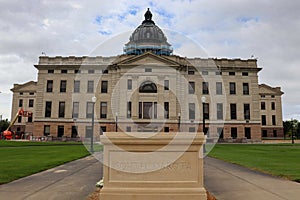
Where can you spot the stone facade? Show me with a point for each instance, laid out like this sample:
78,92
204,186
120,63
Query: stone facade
149,92
271,111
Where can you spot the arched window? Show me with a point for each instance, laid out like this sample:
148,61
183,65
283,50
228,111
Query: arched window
148,87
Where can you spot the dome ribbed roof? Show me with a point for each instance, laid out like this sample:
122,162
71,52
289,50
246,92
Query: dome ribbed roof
148,37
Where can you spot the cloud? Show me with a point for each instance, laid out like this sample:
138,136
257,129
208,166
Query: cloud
268,30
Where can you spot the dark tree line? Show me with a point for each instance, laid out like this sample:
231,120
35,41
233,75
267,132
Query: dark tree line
290,126
3,125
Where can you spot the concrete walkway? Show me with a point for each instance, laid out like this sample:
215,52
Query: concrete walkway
232,182
74,180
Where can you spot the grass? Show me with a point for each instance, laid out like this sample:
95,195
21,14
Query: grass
277,159
20,159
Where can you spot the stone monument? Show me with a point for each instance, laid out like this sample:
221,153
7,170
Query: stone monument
160,166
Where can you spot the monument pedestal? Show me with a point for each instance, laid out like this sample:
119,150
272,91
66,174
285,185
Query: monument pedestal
143,166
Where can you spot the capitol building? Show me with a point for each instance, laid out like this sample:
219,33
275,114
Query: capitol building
148,89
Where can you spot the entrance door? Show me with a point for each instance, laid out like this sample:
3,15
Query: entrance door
147,110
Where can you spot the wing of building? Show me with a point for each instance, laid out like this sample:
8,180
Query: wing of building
151,90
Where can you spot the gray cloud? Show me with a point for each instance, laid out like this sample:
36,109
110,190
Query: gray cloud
269,30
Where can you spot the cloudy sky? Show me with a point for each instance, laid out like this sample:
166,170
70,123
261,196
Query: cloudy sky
268,30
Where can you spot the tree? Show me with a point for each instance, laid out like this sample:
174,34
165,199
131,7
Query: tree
3,125
288,128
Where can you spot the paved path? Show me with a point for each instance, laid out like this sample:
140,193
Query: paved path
232,182
74,180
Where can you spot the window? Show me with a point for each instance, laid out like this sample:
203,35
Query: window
75,109
273,105
91,71
89,109
263,120
246,111
20,102
148,70
19,119
191,87
274,133
103,109
245,89
148,87
166,129
219,111
104,71
128,128
166,84
63,86
30,103
204,72
50,71
76,86
244,73
30,116
21,93
206,110
64,71
231,73
74,132
104,85
102,130
262,96
155,110
205,88
264,133
46,130
48,108
88,131
31,93
248,132
233,111
191,111
232,88
262,105
166,110
272,96
192,129
191,72
220,133
140,110
218,73
77,71
219,88
90,87
129,109
273,120
129,84
234,132
49,85
61,109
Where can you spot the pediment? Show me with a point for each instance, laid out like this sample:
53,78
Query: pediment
265,89
148,59
29,86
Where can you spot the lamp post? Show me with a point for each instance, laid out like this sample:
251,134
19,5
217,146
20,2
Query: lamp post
94,99
203,99
179,122
293,126
116,122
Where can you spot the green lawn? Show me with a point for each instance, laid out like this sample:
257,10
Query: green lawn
19,159
281,160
